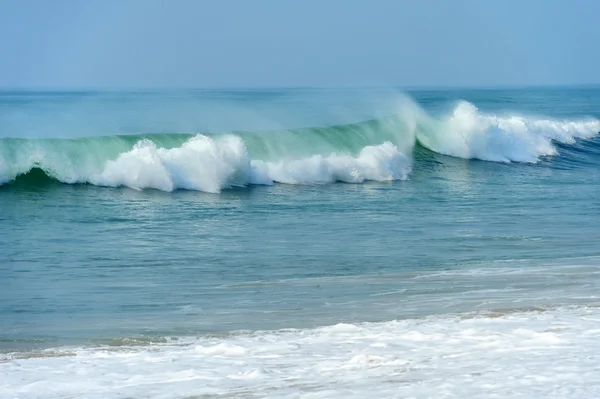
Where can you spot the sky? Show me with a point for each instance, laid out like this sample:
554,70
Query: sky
297,43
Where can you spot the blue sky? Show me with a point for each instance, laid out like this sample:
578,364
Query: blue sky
270,43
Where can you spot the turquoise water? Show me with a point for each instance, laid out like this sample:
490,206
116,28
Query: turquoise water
193,237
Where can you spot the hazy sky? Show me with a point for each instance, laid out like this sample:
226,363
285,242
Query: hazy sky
227,43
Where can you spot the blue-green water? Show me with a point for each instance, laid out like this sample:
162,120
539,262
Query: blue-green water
129,220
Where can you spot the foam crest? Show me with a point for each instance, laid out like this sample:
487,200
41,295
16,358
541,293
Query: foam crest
382,163
469,133
202,163
211,164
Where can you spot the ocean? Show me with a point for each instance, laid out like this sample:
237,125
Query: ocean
300,243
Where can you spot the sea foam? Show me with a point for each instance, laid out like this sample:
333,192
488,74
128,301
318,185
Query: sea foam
469,133
211,164
548,354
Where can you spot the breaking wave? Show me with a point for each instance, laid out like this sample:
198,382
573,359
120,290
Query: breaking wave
379,150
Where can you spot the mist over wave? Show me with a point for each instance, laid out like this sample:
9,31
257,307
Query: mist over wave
378,149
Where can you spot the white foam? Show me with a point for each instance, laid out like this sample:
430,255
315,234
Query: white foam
211,164
222,349
381,162
469,133
201,163
551,354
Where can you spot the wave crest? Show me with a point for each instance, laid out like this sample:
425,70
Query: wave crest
468,133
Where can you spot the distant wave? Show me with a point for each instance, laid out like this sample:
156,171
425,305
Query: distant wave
379,150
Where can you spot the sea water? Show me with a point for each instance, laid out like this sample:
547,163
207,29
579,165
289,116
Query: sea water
300,243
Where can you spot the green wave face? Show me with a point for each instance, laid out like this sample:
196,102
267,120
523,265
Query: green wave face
345,139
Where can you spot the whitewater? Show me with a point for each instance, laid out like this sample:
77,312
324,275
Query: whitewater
552,354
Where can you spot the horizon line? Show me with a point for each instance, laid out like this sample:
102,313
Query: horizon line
42,89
